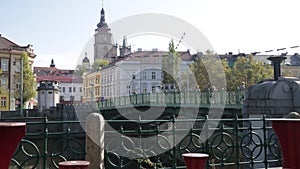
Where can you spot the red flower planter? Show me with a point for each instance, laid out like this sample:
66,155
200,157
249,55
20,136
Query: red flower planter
195,160
74,165
11,134
288,132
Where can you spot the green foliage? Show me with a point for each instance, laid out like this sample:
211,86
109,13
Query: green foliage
209,62
248,70
100,63
29,83
80,70
245,69
170,65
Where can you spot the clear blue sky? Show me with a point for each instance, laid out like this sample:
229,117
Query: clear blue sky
60,29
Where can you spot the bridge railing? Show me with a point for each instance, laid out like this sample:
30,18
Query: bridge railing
187,97
235,143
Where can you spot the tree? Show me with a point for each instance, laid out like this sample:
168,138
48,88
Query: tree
170,66
208,70
100,63
80,70
29,83
248,70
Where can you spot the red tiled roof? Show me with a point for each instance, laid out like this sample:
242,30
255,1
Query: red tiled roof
61,79
5,43
152,56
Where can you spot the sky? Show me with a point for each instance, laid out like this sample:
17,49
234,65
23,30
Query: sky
60,29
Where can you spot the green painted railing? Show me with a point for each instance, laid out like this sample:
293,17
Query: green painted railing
47,143
203,99
235,143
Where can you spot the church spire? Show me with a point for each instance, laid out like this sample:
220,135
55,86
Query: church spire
102,18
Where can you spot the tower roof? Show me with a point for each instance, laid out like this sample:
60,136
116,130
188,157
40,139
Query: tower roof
86,60
102,19
52,63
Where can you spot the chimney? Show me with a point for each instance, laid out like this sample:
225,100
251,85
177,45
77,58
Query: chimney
276,63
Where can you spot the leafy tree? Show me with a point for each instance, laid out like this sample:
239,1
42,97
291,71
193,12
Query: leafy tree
248,70
208,69
29,83
245,69
100,63
80,70
170,66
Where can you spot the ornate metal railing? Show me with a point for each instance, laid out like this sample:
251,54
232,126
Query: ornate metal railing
203,98
235,143
47,143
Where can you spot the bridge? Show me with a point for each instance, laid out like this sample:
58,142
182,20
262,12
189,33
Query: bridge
172,102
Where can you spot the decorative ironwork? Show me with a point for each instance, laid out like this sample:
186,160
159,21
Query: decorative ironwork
235,143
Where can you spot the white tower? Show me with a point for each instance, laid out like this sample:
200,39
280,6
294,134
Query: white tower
48,94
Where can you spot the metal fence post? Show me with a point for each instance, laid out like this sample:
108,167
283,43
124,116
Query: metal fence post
45,154
265,142
174,140
236,128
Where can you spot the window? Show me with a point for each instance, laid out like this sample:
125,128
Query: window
61,98
4,82
80,89
18,66
4,64
153,89
63,89
153,75
71,98
74,89
144,88
70,89
3,101
144,75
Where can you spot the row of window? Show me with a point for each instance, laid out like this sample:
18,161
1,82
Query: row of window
70,89
72,98
5,65
144,75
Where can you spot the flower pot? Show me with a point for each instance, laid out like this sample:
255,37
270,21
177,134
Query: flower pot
195,160
288,133
11,134
74,165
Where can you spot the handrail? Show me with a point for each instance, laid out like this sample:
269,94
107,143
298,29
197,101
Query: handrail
236,143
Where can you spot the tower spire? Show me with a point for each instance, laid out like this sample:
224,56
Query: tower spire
102,18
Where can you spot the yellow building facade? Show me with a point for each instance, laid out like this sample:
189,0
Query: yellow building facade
91,86
10,64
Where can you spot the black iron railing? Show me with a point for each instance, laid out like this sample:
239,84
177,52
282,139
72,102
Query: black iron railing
234,143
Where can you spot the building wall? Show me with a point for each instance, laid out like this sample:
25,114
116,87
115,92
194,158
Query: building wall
10,63
91,86
71,92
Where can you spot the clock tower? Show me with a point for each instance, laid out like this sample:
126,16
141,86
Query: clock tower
103,47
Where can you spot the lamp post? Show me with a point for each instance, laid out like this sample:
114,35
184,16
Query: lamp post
21,87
